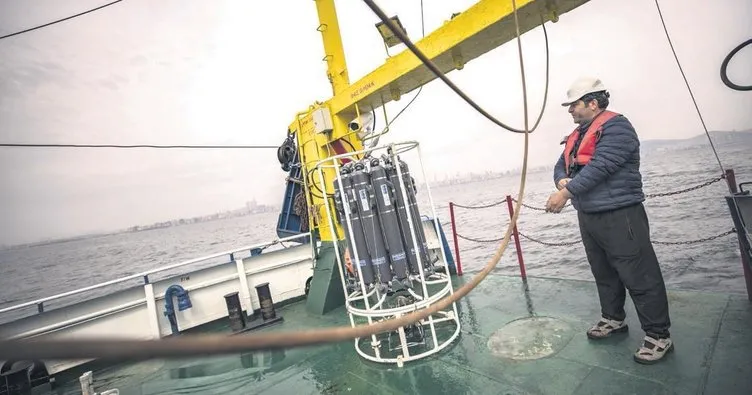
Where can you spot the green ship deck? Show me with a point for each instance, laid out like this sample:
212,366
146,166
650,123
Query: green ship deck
712,354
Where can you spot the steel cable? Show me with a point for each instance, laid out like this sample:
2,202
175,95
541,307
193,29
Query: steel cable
697,108
59,20
29,145
435,70
108,348
689,89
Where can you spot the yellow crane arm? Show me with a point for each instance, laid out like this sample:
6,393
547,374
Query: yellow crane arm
322,130
486,25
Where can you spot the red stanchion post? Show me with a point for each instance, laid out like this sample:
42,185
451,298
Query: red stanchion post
516,239
454,235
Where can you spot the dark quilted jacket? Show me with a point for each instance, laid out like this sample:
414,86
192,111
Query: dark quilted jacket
612,178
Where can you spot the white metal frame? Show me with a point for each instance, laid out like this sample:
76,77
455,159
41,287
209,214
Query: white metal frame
150,272
360,303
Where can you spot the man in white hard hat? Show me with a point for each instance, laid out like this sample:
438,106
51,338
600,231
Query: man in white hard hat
599,171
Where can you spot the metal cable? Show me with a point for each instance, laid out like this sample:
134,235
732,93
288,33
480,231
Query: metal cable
59,20
431,66
11,145
699,114
391,121
681,69
423,34
215,344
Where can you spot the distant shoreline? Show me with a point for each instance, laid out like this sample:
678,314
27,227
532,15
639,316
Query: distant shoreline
242,212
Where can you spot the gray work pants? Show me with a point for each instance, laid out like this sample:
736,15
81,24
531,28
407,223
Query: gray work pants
618,247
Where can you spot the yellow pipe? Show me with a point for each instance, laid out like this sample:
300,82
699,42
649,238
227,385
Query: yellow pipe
335,52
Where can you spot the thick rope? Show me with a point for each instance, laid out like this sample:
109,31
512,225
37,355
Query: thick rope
109,348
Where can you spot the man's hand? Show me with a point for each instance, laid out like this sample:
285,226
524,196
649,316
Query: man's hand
557,200
562,183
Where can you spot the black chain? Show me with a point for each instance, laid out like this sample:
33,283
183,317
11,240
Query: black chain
479,240
481,206
574,242
546,243
704,184
538,208
704,239
647,196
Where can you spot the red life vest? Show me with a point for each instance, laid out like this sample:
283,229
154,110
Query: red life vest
587,147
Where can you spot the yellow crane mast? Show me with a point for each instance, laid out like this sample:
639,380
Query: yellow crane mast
323,130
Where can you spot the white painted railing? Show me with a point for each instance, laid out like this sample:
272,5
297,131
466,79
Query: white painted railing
149,272
151,299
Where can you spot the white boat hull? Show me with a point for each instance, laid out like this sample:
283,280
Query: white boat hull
139,312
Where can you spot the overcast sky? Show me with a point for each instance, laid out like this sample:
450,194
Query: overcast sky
236,72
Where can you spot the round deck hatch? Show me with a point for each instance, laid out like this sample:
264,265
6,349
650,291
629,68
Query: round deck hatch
530,338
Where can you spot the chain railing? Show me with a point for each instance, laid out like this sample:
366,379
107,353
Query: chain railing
690,189
480,240
551,244
647,196
518,234
577,241
479,207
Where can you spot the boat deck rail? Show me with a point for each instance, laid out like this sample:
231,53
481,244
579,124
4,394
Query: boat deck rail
144,276
738,199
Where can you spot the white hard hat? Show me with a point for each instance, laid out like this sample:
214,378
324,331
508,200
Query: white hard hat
581,87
